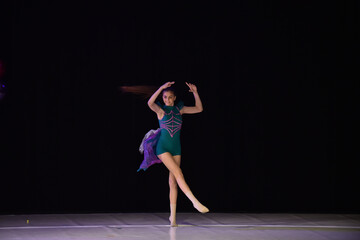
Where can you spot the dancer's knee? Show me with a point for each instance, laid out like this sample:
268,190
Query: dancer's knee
178,173
172,182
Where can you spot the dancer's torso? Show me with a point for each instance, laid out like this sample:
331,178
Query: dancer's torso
170,126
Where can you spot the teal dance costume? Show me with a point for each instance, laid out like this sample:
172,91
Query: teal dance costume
170,126
165,139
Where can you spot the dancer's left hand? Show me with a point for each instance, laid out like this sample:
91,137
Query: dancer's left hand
192,87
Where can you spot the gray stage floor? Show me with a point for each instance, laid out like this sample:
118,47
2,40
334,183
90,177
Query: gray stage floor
220,226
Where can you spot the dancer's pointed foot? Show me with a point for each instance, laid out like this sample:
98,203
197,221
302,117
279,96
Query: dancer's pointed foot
201,208
172,222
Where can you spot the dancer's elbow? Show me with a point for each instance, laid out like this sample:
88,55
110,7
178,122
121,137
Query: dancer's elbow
150,103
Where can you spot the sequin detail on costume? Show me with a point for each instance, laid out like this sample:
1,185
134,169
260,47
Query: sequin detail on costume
172,125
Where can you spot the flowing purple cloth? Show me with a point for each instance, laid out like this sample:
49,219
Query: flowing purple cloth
148,146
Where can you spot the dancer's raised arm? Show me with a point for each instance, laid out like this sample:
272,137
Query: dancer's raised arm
198,104
151,103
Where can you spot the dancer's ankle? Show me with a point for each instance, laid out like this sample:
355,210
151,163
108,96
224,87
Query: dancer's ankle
172,217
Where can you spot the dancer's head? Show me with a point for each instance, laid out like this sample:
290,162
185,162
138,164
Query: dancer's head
169,96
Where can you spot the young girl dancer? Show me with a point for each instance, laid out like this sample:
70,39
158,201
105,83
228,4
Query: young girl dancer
163,145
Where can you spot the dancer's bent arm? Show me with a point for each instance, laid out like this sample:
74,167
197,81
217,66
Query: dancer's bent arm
151,103
198,104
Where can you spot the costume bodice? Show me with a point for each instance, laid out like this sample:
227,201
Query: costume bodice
171,122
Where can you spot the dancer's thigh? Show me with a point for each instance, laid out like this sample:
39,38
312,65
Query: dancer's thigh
177,159
170,162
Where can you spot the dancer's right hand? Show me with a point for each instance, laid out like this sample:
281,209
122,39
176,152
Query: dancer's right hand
166,85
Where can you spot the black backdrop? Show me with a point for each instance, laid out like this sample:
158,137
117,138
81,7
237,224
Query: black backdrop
277,80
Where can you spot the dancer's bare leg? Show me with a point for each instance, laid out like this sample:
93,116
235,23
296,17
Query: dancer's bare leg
170,163
173,193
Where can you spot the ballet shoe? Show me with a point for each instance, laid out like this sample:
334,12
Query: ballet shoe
201,208
172,223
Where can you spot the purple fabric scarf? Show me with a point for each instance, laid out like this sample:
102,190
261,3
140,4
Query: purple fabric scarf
148,146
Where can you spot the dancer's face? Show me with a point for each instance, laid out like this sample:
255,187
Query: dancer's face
169,98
